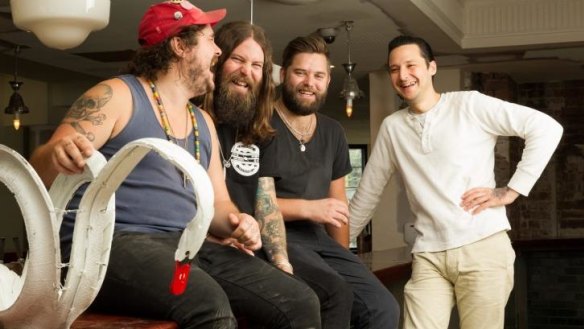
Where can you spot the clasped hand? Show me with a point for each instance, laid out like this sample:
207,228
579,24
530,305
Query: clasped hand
329,211
245,234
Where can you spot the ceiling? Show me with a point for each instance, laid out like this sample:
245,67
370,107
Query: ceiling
526,57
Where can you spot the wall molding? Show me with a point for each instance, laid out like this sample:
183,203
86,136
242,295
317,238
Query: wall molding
447,14
503,23
521,22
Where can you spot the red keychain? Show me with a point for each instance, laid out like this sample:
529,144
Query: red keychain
180,278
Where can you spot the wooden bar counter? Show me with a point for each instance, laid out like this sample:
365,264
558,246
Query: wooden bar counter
389,265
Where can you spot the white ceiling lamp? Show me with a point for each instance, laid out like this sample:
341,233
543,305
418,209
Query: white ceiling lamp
60,24
350,90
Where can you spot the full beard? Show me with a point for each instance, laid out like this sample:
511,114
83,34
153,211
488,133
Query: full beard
234,108
296,106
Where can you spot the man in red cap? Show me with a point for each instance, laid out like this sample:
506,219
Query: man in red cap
154,203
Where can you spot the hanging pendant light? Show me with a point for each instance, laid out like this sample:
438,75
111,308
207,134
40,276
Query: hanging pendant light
351,89
60,24
16,105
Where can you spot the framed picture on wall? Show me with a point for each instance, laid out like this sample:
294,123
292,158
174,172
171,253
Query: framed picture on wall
358,157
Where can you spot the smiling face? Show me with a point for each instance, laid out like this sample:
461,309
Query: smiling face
411,75
239,84
242,71
305,82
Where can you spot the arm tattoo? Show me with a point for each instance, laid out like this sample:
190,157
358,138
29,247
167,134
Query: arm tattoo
87,108
500,192
272,224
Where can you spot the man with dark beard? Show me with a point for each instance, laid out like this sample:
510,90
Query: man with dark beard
242,107
308,160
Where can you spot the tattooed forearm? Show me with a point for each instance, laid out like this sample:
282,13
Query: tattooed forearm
87,109
268,214
500,192
273,239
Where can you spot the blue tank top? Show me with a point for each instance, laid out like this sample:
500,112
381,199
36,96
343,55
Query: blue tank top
153,197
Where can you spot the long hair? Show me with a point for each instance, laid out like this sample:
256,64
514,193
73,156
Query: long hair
151,60
311,44
229,37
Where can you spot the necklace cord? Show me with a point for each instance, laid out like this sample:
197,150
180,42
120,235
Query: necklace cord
168,131
289,125
295,132
227,162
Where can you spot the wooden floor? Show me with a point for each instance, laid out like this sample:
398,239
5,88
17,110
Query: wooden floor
105,321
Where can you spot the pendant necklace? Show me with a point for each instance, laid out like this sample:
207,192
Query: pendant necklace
227,162
168,131
295,132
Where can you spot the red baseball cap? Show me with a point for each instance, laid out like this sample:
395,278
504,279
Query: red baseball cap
165,19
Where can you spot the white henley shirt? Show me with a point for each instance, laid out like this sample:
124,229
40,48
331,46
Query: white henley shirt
452,152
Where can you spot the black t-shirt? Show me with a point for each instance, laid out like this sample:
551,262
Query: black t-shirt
241,164
306,175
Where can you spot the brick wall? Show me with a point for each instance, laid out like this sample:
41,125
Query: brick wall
553,280
555,206
500,86
562,184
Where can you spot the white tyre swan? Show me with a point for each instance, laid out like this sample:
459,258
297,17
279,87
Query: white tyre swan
36,299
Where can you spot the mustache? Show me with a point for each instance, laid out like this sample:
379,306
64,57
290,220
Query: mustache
238,76
307,89
295,105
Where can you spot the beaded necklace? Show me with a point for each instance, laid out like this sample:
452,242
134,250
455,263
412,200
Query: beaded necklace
166,124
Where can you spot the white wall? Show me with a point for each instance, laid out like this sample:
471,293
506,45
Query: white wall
357,126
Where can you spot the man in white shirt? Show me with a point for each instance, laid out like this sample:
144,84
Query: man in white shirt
443,146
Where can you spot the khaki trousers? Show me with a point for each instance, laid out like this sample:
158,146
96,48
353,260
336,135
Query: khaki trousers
478,278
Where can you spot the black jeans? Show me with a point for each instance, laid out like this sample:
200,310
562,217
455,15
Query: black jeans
266,296
339,278
223,281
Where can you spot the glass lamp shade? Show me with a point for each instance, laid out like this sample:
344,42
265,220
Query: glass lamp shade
351,88
350,92
60,24
16,106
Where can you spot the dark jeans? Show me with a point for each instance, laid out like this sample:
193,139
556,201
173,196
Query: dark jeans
339,277
141,268
266,296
